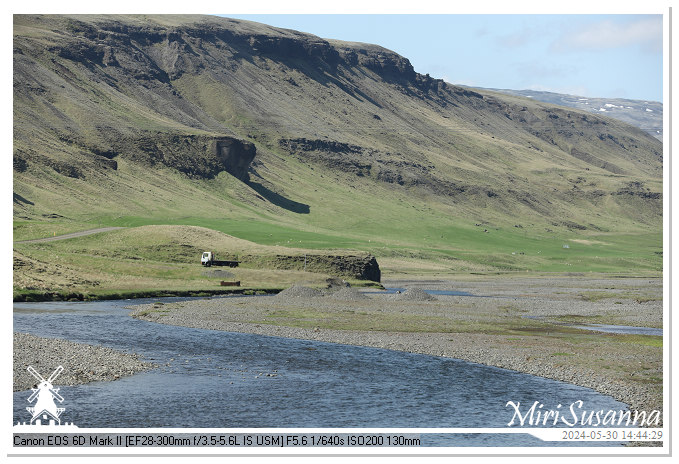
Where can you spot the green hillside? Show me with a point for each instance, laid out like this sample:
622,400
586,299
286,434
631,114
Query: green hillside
285,139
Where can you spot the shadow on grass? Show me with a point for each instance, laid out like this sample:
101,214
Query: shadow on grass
278,199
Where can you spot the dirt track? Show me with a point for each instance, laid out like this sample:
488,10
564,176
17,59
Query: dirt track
71,235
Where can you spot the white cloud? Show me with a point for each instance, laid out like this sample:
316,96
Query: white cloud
645,32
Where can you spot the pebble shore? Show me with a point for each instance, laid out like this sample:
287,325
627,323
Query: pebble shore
584,361
82,363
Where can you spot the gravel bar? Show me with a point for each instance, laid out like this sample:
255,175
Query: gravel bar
82,363
619,366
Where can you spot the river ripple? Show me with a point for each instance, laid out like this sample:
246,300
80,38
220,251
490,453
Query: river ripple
213,379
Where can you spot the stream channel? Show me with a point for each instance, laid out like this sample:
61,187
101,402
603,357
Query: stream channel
214,379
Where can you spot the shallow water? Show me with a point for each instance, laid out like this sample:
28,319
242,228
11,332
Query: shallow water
621,329
431,292
215,379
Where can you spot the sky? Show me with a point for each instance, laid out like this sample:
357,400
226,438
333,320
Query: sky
600,55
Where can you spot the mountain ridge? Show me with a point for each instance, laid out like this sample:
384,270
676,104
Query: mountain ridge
644,114
123,116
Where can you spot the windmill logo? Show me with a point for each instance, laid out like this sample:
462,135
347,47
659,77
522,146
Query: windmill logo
44,394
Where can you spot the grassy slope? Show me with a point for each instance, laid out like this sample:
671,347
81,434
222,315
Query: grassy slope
150,258
394,226
408,229
390,226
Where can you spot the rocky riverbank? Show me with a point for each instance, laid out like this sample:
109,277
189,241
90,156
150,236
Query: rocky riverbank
82,363
520,324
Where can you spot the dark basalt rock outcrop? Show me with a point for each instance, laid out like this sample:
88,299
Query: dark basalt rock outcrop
390,168
156,53
348,266
196,156
235,156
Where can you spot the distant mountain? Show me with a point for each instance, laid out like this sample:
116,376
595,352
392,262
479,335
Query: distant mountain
646,115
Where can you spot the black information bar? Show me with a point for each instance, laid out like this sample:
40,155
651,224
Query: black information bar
147,440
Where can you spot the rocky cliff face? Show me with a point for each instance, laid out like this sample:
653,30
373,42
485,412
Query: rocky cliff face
235,156
142,60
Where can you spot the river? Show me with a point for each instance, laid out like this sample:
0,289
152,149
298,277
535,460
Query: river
213,379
